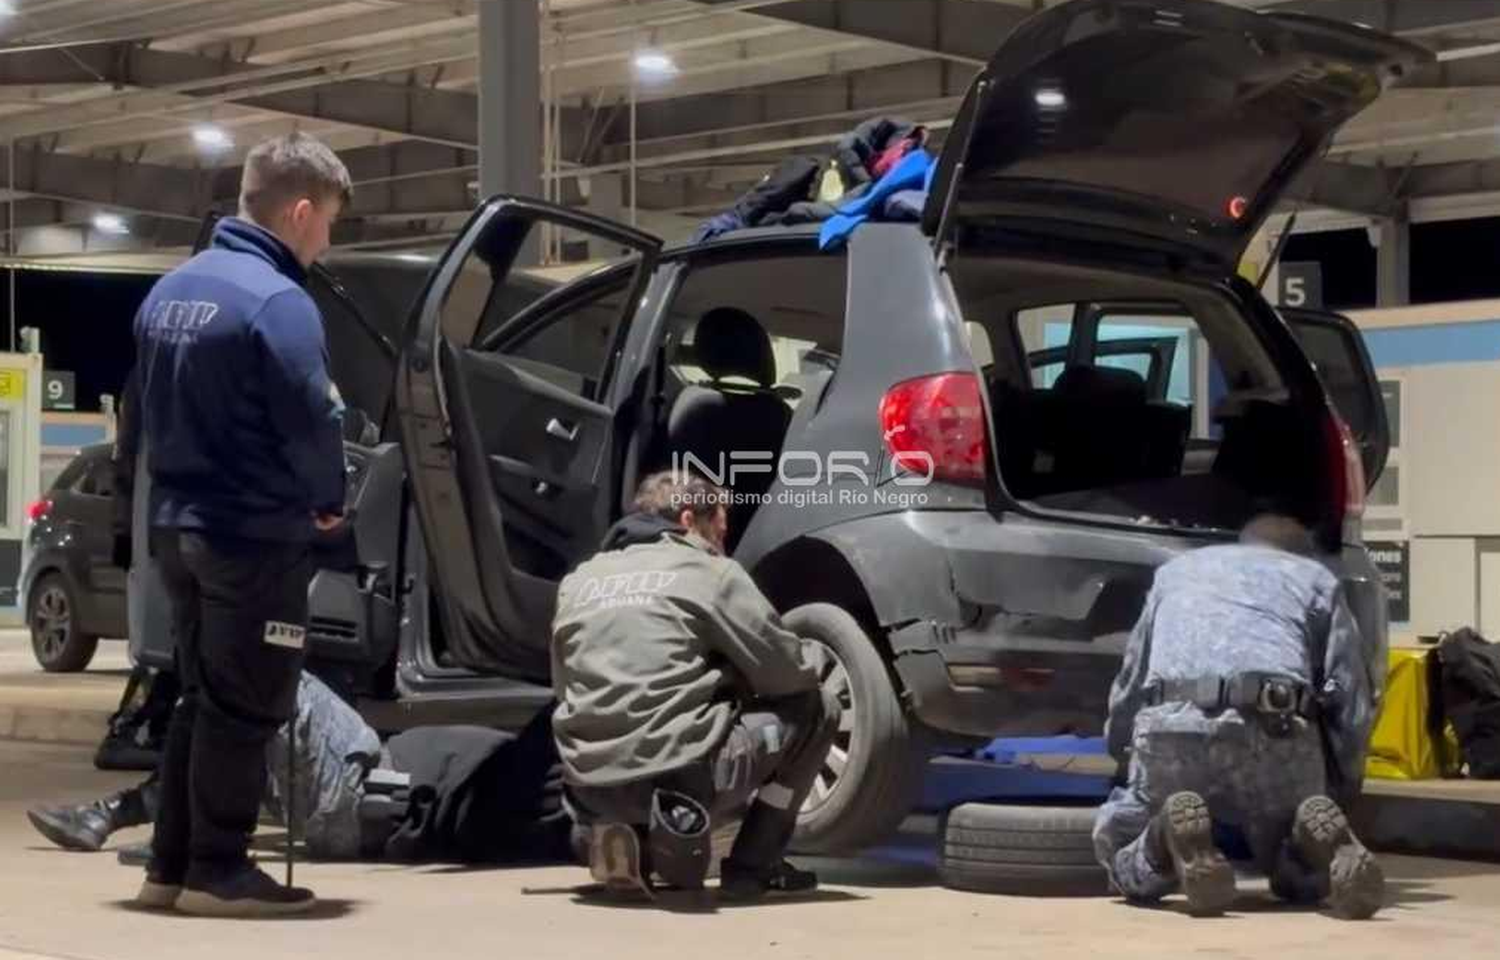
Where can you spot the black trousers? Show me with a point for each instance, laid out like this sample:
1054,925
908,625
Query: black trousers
239,612
760,774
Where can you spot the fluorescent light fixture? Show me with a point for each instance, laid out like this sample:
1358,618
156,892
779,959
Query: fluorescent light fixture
650,61
111,223
413,258
1051,98
210,137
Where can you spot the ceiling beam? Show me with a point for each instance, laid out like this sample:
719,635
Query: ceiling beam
967,32
1414,17
316,90
1353,188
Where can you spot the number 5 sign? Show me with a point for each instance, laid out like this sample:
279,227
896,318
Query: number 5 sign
1301,285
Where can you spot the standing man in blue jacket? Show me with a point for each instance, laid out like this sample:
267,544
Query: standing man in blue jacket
245,453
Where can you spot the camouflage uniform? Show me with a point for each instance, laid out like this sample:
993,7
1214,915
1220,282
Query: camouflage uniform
1225,611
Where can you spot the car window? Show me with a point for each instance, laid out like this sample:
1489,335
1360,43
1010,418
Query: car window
70,476
97,479
1177,336
572,346
797,299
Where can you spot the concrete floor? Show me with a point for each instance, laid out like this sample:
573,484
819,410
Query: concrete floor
76,906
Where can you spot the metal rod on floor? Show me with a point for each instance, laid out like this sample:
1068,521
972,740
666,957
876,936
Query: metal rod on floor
291,794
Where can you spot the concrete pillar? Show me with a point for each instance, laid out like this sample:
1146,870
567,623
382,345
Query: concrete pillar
510,98
1393,259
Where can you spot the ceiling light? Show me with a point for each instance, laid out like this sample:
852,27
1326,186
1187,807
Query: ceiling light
211,138
649,61
7,7
111,223
1051,98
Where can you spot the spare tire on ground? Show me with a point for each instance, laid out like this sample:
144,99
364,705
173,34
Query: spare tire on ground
1022,849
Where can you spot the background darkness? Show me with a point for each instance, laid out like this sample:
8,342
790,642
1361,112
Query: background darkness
85,318
1452,260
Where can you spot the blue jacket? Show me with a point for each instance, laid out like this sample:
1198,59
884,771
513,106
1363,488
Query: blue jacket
1232,609
244,428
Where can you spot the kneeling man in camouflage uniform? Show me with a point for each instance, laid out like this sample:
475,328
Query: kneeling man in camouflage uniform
1245,700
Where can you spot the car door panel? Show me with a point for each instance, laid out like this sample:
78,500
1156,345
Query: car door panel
509,470
546,448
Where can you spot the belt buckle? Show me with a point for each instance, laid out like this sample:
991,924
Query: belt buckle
1277,697
1276,701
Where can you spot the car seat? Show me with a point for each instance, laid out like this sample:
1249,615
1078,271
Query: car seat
1094,428
735,411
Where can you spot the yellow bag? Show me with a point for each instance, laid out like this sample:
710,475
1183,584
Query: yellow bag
1401,747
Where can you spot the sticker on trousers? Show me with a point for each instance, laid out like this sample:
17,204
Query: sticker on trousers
285,635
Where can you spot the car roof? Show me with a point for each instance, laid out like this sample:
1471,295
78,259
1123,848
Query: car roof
747,237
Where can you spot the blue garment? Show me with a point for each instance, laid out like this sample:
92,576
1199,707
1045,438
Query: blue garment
1221,612
914,172
245,425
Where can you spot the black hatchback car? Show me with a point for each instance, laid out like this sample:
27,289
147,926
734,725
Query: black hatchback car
959,449
73,591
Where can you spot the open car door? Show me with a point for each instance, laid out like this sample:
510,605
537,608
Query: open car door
1335,347
502,403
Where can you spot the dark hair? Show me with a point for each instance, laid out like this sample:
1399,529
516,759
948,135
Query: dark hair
668,493
286,169
1279,531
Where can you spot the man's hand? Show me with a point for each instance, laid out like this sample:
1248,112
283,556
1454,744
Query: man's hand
327,521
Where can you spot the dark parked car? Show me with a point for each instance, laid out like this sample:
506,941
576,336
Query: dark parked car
960,449
73,591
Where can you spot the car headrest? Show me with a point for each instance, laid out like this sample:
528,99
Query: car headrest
731,343
1116,383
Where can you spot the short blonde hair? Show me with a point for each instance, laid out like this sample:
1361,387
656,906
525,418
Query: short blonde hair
286,169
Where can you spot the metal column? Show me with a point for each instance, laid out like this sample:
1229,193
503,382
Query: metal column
1393,260
510,98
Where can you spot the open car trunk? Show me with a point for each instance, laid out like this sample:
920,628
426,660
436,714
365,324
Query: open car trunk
1154,402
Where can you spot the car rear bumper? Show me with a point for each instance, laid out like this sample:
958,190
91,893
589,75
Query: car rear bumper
1044,611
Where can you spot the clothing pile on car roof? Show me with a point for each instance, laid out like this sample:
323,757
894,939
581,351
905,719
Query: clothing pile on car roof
879,170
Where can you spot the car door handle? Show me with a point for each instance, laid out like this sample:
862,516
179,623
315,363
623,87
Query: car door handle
563,431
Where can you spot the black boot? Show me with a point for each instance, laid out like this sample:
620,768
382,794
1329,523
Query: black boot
755,866
246,891
88,826
1182,834
1324,841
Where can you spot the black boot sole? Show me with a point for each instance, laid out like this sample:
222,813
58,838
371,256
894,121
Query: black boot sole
200,903
1206,876
1325,841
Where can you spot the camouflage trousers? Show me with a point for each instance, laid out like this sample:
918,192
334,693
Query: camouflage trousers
1252,781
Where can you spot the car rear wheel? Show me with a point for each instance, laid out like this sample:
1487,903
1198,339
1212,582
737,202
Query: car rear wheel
52,615
1021,849
874,769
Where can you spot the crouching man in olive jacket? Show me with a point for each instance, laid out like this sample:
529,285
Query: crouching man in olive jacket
680,697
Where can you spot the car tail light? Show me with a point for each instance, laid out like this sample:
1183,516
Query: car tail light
38,510
1345,468
934,426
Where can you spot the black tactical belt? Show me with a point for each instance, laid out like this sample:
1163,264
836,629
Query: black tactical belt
1259,693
